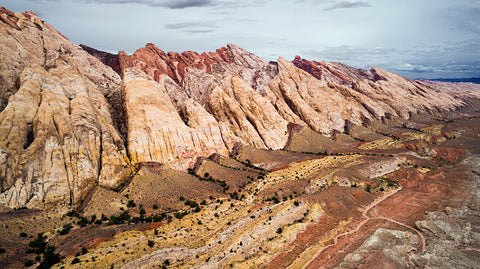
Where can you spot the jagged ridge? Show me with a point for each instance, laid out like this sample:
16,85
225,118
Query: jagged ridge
72,123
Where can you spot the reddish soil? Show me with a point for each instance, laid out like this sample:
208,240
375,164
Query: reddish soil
91,236
445,185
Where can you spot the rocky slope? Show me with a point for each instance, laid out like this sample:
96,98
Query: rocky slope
57,138
69,122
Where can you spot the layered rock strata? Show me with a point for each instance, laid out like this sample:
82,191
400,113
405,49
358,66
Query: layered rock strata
57,137
69,122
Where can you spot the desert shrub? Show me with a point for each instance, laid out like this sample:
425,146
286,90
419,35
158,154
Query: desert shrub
2,250
131,203
181,198
75,261
28,263
82,222
66,229
191,203
157,218
49,258
38,244
151,243
180,215
368,187
155,206
279,230
120,219
71,213
23,234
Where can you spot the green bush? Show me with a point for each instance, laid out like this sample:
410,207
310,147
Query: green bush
180,215
2,250
38,244
131,203
49,258
368,187
191,203
151,243
82,222
28,263
75,261
120,219
66,229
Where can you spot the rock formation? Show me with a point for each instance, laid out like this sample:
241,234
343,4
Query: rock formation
108,59
69,122
57,138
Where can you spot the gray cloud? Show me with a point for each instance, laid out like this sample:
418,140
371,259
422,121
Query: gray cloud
184,25
348,4
172,4
436,39
193,27
415,62
199,31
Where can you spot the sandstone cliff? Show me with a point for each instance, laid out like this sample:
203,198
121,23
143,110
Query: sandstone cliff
57,138
69,122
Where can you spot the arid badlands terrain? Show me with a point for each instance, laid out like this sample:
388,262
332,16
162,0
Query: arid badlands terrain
223,160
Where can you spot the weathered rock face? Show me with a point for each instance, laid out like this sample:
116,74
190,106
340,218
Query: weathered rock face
67,119
156,132
385,94
213,101
108,59
57,138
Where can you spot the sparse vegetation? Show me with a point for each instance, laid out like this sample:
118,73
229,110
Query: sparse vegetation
66,229
82,222
191,203
119,219
368,188
131,203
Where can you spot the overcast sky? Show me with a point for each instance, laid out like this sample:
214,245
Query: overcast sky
415,38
